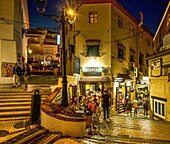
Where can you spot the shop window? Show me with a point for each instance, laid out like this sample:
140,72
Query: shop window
159,108
93,17
120,22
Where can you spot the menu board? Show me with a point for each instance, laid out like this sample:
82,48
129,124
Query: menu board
76,65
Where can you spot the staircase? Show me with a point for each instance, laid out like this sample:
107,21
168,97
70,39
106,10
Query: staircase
15,103
15,111
37,135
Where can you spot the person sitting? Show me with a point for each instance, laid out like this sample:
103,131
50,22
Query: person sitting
75,103
96,106
89,108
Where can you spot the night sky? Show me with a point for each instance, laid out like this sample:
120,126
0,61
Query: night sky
152,10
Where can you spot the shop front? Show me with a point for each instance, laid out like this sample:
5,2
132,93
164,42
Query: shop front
93,82
93,85
123,87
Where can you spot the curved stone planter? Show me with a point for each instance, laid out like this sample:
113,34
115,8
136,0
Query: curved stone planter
55,122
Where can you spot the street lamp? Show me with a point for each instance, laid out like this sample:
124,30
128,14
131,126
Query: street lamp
69,16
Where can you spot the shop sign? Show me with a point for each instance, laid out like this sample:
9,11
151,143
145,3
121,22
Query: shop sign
92,71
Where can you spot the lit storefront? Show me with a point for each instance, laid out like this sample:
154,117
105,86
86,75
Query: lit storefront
123,86
92,81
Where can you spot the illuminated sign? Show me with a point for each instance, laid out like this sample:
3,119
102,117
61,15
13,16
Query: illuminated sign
92,71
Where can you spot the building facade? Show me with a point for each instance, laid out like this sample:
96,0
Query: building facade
42,50
159,69
107,47
13,42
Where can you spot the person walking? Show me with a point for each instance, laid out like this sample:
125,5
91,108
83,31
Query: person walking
145,107
26,73
135,105
16,75
105,103
129,108
55,68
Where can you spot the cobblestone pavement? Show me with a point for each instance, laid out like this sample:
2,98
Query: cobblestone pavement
116,129
136,128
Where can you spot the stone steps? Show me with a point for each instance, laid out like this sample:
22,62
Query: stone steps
16,104
15,113
37,135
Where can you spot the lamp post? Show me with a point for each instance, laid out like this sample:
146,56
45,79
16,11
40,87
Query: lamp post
41,6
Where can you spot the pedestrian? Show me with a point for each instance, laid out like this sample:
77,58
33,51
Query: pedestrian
145,107
16,75
135,105
129,108
26,72
55,68
105,104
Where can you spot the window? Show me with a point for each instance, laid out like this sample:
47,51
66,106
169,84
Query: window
159,108
147,41
131,30
168,20
141,58
120,22
132,55
121,51
93,17
93,48
141,36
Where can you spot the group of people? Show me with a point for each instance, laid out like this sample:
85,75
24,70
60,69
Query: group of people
135,105
93,104
18,72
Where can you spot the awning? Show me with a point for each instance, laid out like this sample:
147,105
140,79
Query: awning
95,79
124,76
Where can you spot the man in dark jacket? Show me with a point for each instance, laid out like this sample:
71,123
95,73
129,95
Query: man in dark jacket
26,73
16,75
106,101
145,107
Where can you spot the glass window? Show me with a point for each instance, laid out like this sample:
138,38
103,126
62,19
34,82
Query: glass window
141,59
156,107
120,53
131,30
163,113
120,22
93,17
93,50
159,108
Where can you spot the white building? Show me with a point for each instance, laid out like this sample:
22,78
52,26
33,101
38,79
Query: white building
14,21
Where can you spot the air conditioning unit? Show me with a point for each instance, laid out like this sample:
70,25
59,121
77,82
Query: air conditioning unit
164,48
107,71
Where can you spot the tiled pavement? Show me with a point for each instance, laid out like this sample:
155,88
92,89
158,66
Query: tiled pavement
117,129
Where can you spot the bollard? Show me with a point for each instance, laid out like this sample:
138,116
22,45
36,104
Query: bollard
35,107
